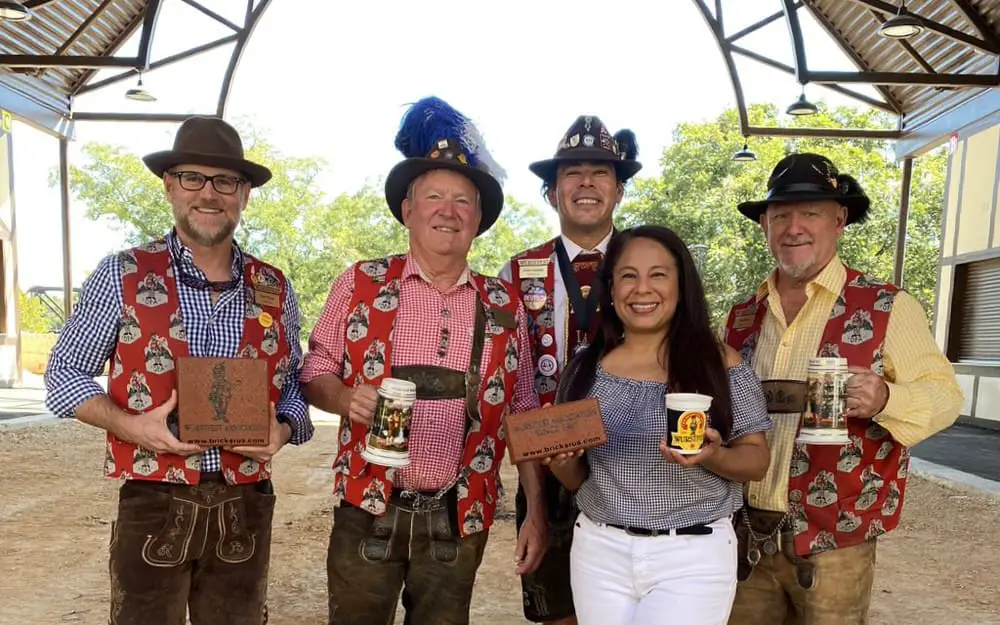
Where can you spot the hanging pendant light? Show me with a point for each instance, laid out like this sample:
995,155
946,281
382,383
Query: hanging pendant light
802,106
902,25
745,155
14,11
139,93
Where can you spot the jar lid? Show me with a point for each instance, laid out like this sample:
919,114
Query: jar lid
827,363
399,389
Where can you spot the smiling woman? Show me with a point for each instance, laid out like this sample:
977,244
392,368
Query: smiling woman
656,339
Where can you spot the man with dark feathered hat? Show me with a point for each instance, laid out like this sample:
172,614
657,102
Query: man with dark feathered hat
584,182
808,531
462,339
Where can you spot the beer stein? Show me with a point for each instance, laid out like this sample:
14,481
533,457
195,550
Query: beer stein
387,441
823,420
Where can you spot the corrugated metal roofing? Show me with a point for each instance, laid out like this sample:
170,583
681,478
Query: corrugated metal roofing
854,24
100,27
65,27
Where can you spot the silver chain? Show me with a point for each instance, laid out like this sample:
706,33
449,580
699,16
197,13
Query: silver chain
759,538
421,501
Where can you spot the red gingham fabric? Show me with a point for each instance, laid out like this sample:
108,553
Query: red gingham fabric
437,431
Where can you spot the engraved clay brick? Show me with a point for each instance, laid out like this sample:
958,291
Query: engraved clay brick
223,401
556,429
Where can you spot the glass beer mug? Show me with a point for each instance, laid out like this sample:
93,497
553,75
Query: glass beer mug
823,420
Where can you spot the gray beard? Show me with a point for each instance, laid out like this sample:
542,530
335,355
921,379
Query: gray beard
206,240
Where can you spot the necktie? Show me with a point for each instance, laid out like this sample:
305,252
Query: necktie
585,269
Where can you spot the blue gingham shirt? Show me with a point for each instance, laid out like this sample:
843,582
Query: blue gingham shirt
90,335
631,484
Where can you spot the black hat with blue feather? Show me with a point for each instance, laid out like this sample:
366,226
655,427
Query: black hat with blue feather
433,135
588,140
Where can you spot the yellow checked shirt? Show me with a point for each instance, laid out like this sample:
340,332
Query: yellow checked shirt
924,397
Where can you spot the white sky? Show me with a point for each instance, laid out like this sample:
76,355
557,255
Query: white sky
523,70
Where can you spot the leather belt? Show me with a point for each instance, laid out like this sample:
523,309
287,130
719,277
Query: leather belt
693,530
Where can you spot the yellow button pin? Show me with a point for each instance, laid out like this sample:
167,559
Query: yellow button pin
265,319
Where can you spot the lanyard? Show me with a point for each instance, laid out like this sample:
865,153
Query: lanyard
585,309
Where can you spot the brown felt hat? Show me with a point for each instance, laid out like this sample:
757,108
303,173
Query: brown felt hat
207,141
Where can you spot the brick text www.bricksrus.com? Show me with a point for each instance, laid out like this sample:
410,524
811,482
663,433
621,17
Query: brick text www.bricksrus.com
554,449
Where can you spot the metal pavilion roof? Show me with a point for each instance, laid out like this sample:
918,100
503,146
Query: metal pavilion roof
952,63
48,60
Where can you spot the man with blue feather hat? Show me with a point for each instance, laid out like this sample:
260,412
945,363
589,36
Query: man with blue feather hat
584,182
462,339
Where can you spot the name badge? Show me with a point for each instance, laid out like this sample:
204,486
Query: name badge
744,318
533,267
266,295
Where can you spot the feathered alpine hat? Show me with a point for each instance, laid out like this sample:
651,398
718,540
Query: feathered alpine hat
433,135
807,177
588,141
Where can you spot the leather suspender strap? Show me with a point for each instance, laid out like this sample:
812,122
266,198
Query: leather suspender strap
472,377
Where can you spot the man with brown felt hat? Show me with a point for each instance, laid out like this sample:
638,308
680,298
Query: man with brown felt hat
193,530
808,531
584,182
420,527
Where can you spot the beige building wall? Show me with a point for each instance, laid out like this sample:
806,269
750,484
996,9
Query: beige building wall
969,235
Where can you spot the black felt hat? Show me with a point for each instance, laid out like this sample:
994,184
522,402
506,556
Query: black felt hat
807,177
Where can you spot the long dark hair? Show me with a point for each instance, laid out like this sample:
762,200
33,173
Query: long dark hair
695,363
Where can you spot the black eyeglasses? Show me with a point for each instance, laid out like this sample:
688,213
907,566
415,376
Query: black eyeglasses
195,181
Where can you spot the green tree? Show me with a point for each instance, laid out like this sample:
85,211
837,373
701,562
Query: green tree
289,221
35,318
701,185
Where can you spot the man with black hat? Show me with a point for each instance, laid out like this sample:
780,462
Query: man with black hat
584,181
809,529
193,530
419,520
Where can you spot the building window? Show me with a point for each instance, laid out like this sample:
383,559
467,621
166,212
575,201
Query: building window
974,333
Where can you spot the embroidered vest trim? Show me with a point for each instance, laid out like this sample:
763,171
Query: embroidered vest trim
368,345
151,336
840,496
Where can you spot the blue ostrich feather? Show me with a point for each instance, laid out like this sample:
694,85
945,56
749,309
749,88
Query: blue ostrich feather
431,119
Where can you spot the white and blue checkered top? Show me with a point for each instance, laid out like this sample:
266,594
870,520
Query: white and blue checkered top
631,484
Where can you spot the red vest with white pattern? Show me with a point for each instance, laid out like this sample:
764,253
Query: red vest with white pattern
840,496
368,333
541,322
151,336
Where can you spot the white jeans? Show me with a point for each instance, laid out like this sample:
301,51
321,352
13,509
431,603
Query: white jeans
619,579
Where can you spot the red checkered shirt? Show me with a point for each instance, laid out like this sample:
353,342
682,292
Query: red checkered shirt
437,431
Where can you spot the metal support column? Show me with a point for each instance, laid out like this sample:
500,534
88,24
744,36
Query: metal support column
904,213
64,186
